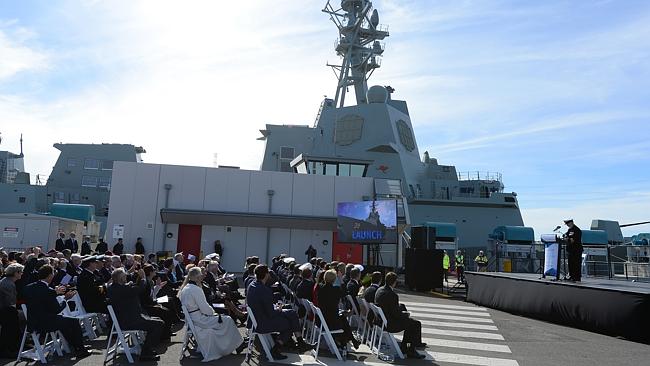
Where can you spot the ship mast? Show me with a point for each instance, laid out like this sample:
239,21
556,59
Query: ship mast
358,44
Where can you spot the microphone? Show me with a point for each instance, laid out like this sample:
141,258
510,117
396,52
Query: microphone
557,228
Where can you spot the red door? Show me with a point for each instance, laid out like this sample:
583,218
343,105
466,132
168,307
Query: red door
348,253
189,239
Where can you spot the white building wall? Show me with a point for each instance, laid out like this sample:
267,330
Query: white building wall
138,195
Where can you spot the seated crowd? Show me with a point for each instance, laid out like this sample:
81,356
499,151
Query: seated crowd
149,294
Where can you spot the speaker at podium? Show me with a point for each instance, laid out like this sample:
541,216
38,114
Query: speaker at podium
424,269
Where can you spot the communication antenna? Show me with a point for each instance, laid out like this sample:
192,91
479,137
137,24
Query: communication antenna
214,161
21,146
358,45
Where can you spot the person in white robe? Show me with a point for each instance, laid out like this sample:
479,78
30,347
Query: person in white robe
217,336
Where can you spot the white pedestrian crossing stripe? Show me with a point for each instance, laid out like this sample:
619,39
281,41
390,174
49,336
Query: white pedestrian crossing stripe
450,317
470,360
457,325
442,306
448,311
461,333
438,342
460,329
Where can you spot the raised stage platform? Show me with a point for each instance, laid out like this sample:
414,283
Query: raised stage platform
612,307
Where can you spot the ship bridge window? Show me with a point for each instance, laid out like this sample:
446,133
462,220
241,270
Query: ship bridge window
91,164
344,170
330,169
73,163
357,170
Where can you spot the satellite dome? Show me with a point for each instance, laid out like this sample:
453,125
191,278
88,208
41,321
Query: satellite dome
377,94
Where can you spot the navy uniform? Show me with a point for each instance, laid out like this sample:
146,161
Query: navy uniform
574,250
91,289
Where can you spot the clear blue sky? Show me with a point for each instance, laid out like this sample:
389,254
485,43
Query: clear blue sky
553,94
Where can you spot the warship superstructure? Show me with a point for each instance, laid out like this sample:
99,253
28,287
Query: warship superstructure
375,138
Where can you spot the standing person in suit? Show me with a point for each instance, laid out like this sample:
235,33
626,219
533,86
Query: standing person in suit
60,242
259,298
43,311
399,320
85,246
71,243
310,252
118,248
574,250
328,301
139,247
218,248
125,299
370,291
9,320
91,288
102,247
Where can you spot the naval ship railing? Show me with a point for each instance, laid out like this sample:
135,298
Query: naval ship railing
480,175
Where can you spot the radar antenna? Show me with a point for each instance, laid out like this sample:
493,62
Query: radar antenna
358,44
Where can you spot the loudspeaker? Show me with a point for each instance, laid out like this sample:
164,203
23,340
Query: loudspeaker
423,237
423,269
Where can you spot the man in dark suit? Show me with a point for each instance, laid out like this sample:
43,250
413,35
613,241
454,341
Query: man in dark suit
259,298
60,242
43,311
102,247
118,248
139,247
91,288
85,246
305,288
354,285
125,300
399,320
369,293
71,243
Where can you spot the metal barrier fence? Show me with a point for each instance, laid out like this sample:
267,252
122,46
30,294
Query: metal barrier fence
598,262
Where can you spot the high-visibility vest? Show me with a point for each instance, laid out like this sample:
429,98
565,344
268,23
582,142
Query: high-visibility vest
445,262
481,259
460,261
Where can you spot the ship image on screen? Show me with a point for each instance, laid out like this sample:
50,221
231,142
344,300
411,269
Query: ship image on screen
367,222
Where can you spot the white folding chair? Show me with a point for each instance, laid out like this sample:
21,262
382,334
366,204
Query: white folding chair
53,342
354,318
126,341
190,336
265,338
323,331
363,327
308,320
89,322
383,334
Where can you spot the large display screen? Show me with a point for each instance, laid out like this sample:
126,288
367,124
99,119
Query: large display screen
367,222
